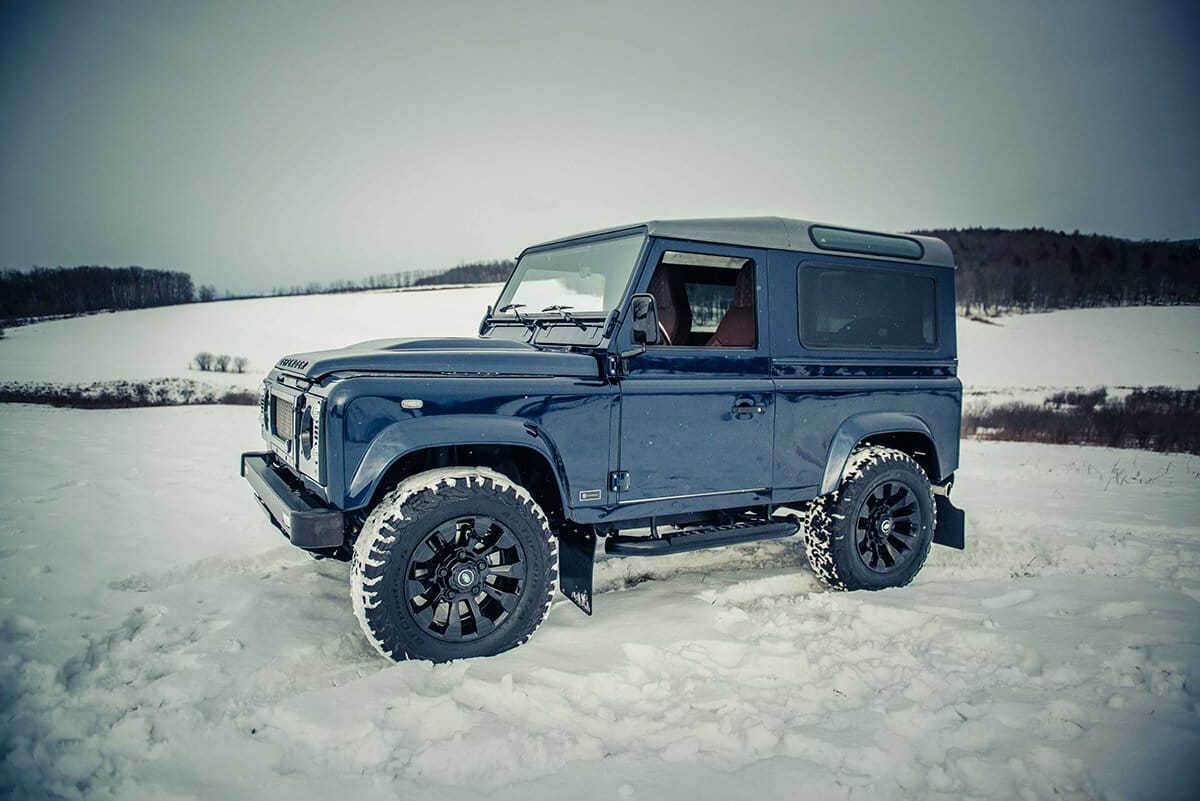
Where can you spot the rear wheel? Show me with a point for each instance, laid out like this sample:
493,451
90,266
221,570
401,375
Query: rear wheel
876,529
453,563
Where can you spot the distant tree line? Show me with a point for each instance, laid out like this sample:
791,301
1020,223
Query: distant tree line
483,272
480,272
45,292
1035,269
999,270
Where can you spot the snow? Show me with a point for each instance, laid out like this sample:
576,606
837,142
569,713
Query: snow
162,641
1140,346
1028,356
160,343
159,640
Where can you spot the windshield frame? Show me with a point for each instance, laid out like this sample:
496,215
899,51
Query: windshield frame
590,315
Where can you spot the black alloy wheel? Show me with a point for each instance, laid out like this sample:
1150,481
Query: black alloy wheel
887,526
464,579
453,563
875,530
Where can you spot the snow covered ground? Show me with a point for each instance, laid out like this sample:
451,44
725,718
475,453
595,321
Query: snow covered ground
1028,356
160,641
160,343
1025,356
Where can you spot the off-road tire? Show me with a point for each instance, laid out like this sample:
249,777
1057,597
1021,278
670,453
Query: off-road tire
409,524
841,549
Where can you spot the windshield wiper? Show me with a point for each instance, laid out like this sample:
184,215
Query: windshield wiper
566,315
514,308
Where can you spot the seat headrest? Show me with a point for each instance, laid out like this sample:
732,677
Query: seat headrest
743,290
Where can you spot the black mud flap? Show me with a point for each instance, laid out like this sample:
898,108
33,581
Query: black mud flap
576,556
951,524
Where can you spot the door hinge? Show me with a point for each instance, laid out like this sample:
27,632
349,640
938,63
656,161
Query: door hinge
618,481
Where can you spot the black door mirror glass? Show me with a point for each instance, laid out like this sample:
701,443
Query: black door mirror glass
645,320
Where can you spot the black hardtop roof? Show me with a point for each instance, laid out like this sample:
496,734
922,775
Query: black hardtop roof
776,233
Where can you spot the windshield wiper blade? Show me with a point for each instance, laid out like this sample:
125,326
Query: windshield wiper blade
566,315
515,309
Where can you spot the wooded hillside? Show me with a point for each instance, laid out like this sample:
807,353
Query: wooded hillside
1035,269
44,292
484,272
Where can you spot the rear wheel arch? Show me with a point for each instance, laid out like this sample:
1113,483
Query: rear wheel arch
899,431
916,444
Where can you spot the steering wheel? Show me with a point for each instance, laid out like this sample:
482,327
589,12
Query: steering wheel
666,337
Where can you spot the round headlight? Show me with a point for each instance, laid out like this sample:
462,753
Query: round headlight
306,433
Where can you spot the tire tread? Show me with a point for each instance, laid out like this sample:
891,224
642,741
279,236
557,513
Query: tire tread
822,525
409,501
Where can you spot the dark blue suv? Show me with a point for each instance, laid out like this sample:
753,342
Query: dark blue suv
665,387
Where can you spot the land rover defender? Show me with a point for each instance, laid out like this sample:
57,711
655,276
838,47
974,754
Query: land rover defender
660,387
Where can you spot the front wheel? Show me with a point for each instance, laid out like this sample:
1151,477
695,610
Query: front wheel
876,529
453,563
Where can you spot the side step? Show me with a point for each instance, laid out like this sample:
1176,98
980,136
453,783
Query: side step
698,539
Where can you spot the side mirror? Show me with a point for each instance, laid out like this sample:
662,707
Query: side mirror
645,320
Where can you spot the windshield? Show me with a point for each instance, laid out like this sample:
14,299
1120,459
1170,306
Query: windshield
587,278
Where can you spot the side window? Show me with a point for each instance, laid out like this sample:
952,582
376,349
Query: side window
705,300
863,308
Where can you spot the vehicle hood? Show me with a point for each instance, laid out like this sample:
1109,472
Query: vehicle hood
452,356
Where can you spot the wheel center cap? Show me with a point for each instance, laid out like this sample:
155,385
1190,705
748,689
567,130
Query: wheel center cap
464,577
885,525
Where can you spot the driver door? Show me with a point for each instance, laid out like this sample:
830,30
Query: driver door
697,409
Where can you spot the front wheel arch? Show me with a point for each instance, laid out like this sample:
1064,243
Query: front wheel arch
523,465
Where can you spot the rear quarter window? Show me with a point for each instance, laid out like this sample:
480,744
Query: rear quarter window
862,308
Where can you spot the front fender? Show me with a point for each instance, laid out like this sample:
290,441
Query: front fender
414,434
857,428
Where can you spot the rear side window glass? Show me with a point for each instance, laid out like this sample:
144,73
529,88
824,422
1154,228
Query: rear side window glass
863,242
858,308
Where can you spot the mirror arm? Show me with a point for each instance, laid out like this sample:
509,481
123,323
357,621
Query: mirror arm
637,350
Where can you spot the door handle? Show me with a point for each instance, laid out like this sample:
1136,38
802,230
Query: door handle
745,408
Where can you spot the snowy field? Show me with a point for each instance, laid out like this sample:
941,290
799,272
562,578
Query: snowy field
162,642
1029,356
160,343
1025,356
159,640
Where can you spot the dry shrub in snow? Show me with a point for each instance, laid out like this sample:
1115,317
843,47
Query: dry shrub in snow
220,363
1158,418
126,394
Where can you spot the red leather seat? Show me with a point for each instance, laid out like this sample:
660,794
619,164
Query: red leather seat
736,329
670,299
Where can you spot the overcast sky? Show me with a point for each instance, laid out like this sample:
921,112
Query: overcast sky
258,144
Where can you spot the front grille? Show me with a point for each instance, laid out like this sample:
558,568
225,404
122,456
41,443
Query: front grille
283,423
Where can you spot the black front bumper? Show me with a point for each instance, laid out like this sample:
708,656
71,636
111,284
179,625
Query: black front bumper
304,520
